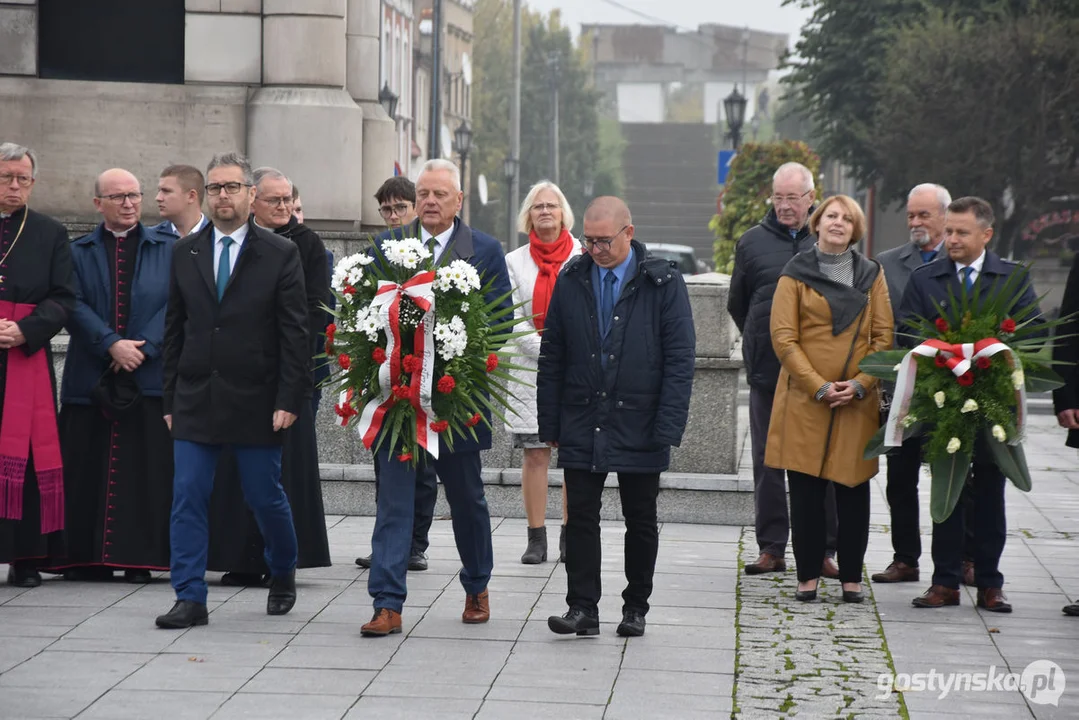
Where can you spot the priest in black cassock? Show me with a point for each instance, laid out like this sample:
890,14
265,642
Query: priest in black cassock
117,448
37,296
236,546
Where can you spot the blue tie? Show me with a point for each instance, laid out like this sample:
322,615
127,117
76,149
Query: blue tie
928,256
606,302
968,281
224,267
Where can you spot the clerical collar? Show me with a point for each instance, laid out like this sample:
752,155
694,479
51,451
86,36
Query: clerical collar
124,233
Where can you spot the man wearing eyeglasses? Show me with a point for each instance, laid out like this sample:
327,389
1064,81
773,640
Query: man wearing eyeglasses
237,376
759,258
397,202
117,450
615,376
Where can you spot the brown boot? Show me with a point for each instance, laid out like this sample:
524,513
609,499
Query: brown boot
477,609
968,573
829,569
897,572
383,622
993,600
766,563
935,597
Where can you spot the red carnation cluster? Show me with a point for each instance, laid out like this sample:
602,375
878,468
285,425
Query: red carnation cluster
942,325
345,411
410,363
402,392
378,355
344,361
349,290
440,426
473,421
1008,325
331,330
492,362
940,360
966,379
405,457
446,384
983,362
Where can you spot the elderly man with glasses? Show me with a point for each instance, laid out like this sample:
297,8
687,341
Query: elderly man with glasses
760,256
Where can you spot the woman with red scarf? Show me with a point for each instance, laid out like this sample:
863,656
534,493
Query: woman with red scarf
547,218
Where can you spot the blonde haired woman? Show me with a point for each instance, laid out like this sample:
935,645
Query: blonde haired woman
547,219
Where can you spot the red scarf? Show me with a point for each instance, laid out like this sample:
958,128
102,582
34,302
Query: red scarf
29,426
548,258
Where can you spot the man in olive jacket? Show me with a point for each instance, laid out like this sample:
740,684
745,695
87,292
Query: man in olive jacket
615,376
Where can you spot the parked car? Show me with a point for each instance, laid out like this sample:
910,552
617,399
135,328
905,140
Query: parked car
682,256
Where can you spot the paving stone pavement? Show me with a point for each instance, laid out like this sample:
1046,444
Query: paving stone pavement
90,650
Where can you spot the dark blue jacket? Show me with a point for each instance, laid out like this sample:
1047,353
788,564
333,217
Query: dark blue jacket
626,416
92,335
485,254
932,282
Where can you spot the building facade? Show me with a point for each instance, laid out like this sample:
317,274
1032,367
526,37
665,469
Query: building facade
398,36
292,83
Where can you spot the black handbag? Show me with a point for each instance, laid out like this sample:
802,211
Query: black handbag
116,394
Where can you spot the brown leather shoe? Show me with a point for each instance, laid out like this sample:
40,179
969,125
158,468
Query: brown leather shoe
935,597
993,600
383,622
829,569
968,573
766,563
477,609
897,572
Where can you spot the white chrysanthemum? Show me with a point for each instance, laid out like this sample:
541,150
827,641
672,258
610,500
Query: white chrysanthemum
1017,379
349,271
465,306
369,322
407,253
953,446
897,367
938,398
458,275
969,406
451,338
998,433
909,420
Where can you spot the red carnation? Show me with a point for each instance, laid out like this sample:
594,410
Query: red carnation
440,426
410,363
344,361
378,355
345,411
940,360
405,457
331,330
966,379
942,325
1008,325
349,290
402,392
492,362
446,384
473,421
329,345
983,362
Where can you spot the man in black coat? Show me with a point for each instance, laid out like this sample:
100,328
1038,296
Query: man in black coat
759,257
1066,352
615,377
968,228
237,374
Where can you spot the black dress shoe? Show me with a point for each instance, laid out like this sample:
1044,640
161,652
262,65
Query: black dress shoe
806,595
632,624
184,614
24,577
139,577
574,621
282,594
364,562
853,596
417,562
1072,610
242,579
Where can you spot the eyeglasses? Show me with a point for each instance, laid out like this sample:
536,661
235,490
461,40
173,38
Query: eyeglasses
275,201
546,207
231,188
591,243
387,211
789,199
24,180
119,198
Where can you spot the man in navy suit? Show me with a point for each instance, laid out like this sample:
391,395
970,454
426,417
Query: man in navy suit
968,228
439,197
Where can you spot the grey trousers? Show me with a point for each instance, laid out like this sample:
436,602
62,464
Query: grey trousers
770,486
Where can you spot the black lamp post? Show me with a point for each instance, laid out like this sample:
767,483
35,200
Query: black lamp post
509,169
462,143
734,105
388,98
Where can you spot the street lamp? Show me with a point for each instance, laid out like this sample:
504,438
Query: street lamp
388,98
509,169
589,187
734,105
462,143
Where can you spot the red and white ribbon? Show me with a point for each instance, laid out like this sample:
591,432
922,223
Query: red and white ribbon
420,288
958,359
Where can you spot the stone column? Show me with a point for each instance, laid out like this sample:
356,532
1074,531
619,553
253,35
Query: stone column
18,39
363,56
302,121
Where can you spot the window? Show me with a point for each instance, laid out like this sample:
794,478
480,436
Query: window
117,40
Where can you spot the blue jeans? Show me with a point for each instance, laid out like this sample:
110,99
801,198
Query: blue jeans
260,477
391,542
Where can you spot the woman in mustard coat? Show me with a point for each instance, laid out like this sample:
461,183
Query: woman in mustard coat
830,310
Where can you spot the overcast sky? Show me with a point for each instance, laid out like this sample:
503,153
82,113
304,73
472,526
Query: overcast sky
757,14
